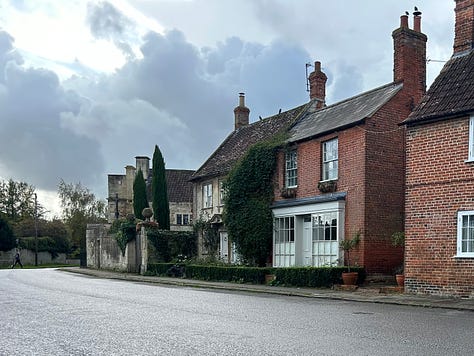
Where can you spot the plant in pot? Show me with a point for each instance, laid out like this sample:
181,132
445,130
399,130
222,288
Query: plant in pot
347,245
398,240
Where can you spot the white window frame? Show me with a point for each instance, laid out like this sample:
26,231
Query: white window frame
328,173
284,241
221,193
470,231
470,157
291,168
207,195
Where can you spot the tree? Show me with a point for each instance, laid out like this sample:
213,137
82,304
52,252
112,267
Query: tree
248,195
159,191
17,200
80,207
7,238
140,200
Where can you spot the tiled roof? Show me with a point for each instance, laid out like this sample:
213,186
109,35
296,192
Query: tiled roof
180,189
451,94
342,114
237,143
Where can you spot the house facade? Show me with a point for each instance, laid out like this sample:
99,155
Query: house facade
440,175
207,181
341,173
120,193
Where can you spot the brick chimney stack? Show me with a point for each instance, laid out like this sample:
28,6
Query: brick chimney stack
464,26
409,58
317,86
241,113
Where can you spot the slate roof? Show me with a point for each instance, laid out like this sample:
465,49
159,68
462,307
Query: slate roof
343,114
237,143
451,94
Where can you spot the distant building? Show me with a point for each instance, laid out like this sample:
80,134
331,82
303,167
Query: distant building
120,193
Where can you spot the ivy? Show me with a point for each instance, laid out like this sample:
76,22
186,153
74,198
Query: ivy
124,231
210,236
248,195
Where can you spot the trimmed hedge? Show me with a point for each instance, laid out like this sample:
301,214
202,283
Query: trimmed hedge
293,276
169,245
313,276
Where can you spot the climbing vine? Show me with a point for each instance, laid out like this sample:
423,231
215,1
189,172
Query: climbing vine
248,195
210,236
124,231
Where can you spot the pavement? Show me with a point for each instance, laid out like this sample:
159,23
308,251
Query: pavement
370,293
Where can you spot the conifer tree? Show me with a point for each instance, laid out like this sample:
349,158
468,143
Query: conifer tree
140,201
159,191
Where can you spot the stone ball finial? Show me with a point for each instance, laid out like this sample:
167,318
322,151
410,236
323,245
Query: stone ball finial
147,213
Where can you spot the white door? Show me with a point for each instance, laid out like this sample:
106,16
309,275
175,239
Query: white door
307,241
224,246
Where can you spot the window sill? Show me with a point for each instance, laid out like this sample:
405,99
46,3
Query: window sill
469,160
464,256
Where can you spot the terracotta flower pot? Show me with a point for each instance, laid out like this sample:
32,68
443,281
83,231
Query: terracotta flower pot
400,279
350,278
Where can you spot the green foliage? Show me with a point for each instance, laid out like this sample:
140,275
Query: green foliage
53,245
53,228
398,239
7,238
312,276
159,191
124,231
170,245
249,193
79,207
140,201
17,200
210,236
348,245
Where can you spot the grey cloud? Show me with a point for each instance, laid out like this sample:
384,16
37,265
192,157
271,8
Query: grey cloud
33,145
107,22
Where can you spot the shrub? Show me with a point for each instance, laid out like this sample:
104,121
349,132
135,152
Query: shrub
7,238
168,245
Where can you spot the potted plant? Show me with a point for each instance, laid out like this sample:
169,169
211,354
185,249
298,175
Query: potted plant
398,240
327,186
347,245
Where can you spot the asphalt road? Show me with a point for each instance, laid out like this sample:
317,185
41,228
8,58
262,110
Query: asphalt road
50,312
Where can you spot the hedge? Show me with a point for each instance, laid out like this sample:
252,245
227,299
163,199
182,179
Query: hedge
292,276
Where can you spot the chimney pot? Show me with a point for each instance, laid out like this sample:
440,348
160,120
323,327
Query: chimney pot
417,23
404,21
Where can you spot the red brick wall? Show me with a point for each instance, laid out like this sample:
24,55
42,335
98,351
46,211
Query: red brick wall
439,183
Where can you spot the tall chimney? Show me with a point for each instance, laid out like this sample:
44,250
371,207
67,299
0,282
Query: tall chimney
241,113
143,164
409,56
464,26
317,85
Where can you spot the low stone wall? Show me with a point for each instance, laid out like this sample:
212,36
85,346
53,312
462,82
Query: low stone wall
27,257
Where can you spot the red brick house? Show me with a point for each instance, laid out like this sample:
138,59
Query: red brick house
342,171
439,228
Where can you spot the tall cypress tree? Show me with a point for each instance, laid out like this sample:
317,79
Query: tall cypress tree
140,201
159,191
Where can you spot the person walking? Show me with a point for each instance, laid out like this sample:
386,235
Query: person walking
17,260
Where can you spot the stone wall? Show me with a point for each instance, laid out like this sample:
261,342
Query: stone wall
103,251
27,257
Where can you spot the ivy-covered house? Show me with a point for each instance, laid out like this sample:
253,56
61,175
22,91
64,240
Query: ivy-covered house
440,175
342,172
208,180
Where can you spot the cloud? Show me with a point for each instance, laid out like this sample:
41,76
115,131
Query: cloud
35,148
108,23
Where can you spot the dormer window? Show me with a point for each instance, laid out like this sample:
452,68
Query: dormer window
291,169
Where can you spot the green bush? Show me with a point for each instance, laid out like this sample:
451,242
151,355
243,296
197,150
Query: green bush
171,245
255,275
313,276
158,269
7,237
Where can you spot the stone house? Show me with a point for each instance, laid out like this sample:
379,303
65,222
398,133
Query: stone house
120,193
208,179
439,228
342,172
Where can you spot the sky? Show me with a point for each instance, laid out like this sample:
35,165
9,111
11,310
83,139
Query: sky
86,85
